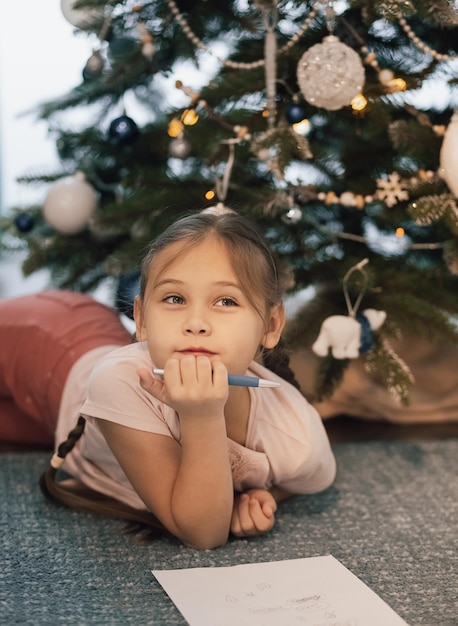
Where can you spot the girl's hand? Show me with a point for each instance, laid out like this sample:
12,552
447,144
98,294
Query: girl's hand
253,513
193,386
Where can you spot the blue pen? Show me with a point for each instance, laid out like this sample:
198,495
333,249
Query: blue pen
237,381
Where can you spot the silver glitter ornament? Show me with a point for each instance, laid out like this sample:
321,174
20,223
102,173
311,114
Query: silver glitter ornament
330,74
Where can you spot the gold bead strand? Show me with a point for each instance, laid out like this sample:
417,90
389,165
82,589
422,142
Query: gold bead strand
422,46
302,30
198,43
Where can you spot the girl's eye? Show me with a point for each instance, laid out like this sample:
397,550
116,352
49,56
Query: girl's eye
174,300
226,302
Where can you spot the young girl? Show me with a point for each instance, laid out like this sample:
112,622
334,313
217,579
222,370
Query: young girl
183,451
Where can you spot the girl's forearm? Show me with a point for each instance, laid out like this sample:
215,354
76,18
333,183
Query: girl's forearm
202,498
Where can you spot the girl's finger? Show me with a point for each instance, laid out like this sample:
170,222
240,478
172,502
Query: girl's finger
244,521
261,521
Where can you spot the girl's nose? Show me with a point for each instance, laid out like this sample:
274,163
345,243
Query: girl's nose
196,329
196,325
191,331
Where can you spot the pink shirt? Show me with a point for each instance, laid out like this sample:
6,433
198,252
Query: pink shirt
286,444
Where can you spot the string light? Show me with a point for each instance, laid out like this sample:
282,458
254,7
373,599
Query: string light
398,84
358,103
189,117
175,128
302,127
400,232
210,194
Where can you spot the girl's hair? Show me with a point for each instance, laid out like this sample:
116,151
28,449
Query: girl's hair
262,283
76,496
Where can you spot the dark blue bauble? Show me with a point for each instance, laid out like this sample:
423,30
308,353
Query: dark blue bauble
121,48
295,113
123,131
24,222
128,288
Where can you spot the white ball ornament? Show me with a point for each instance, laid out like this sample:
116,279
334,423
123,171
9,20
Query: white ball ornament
449,155
70,204
330,74
81,18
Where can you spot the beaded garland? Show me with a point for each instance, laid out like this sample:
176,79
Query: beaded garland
422,46
198,43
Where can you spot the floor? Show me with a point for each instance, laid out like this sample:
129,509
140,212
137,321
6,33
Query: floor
353,429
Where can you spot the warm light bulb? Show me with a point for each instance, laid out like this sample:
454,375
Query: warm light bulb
398,84
210,194
175,128
265,113
302,127
189,117
359,102
400,232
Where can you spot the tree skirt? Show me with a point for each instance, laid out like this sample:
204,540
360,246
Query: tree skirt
433,398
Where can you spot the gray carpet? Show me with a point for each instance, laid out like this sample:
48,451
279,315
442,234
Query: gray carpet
391,518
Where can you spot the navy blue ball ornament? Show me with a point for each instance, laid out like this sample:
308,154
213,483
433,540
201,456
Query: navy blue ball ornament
128,288
295,113
123,131
121,48
24,222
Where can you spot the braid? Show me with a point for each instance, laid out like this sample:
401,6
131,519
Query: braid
277,360
67,446
142,523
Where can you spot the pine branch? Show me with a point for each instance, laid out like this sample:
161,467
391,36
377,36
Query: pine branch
329,376
383,363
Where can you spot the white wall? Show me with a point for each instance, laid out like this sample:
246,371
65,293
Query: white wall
40,58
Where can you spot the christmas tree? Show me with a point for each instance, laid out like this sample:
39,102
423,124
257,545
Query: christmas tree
313,125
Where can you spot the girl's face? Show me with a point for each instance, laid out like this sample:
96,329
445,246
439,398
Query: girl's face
195,305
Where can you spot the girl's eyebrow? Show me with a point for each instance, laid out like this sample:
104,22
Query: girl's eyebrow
217,283
167,281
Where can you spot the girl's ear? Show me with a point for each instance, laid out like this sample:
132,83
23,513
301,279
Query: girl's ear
140,330
275,325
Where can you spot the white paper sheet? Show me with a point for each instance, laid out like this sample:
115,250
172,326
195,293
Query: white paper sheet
317,591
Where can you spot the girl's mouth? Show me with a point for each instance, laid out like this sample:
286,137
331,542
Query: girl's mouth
197,351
